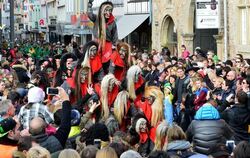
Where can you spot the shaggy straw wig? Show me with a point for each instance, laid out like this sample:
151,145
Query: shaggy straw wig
132,71
120,106
108,79
161,134
157,106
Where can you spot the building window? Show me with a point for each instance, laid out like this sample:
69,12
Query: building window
244,21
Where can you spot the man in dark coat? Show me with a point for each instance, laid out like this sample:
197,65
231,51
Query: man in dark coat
238,118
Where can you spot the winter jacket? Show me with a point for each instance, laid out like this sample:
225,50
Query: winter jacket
238,118
208,130
111,28
57,141
168,109
182,149
183,90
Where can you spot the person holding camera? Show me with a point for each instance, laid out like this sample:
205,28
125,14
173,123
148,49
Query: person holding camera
56,141
238,117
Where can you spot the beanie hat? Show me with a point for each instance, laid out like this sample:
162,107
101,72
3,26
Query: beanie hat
130,153
112,125
168,86
75,117
7,125
97,131
35,95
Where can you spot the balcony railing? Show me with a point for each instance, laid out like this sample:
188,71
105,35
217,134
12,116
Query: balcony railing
138,7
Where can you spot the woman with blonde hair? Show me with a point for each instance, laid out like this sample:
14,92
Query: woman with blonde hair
161,136
200,92
106,152
38,152
68,153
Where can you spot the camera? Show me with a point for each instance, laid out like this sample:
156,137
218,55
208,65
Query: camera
97,143
230,145
52,91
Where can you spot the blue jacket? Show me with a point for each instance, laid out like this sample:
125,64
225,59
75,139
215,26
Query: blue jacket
168,109
207,112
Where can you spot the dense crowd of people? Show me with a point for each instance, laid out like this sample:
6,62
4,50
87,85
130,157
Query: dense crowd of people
113,101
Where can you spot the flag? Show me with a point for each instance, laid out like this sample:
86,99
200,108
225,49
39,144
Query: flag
73,19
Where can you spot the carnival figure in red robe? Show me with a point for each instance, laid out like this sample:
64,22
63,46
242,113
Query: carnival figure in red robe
123,110
92,59
105,31
65,70
109,91
135,83
120,61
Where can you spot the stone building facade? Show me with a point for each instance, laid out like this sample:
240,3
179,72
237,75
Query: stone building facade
174,24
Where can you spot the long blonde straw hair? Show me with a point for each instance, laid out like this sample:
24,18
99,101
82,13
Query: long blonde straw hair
161,133
157,106
110,78
120,105
132,71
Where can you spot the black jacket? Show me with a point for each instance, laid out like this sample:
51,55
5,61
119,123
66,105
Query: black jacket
238,118
57,141
207,133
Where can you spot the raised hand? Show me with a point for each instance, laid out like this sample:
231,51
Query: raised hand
90,90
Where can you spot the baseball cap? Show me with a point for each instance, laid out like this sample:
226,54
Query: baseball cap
6,125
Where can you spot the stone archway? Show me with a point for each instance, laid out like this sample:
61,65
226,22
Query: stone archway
169,34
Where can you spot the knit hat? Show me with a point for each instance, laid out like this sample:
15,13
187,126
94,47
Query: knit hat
35,95
6,125
75,117
207,112
168,86
97,131
112,125
130,153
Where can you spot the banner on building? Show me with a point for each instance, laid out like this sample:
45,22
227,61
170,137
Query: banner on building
207,14
73,19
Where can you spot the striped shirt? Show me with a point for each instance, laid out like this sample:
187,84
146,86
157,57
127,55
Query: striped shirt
36,110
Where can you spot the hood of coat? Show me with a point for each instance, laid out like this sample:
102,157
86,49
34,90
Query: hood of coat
179,145
207,112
